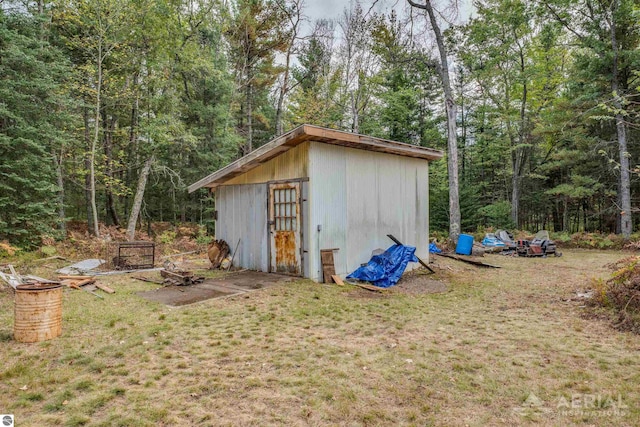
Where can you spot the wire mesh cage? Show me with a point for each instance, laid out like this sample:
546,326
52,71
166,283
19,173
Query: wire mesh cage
130,255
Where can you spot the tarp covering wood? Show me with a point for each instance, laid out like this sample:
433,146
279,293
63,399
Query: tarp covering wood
385,270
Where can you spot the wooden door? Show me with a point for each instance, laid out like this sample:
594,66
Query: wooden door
284,228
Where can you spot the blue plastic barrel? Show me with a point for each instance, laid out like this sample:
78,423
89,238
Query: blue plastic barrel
465,244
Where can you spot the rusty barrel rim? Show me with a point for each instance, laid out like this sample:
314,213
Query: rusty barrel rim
38,286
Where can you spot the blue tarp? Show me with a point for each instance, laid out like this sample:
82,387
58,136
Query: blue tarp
385,270
434,249
491,240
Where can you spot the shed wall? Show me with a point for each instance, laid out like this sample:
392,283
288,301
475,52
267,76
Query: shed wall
291,164
357,197
242,214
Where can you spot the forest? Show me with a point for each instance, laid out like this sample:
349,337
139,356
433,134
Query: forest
109,109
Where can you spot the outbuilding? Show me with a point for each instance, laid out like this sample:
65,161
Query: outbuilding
313,189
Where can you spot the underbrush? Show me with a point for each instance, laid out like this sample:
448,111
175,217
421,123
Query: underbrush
620,295
596,241
563,239
80,244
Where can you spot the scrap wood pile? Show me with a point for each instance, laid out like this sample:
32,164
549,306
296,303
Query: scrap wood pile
85,283
180,278
621,293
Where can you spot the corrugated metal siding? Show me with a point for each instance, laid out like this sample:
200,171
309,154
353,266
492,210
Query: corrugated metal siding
328,206
242,214
304,227
291,164
358,197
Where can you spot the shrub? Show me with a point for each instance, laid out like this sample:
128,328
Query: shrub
7,250
621,293
167,237
202,238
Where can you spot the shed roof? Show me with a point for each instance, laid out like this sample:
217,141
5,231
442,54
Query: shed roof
312,133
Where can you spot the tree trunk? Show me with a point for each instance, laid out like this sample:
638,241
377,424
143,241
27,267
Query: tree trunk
132,147
87,178
283,92
515,198
249,119
137,200
94,144
626,223
519,153
355,126
108,152
60,178
452,140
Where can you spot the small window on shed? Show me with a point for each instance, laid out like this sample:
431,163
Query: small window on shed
284,209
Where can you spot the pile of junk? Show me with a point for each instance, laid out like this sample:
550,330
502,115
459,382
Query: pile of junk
502,241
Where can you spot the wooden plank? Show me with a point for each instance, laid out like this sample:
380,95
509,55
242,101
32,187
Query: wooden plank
71,277
468,261
74,286
424,264
327,257
370,287
89,281
9,279
15,275
328,267
338,280
146,279
105,288
39,279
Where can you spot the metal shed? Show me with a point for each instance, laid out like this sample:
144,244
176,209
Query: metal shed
315,188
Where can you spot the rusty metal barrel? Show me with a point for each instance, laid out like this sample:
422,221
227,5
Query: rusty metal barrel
38,312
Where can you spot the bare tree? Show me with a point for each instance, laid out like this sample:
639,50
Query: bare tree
137,200
294,14
358,63
450,105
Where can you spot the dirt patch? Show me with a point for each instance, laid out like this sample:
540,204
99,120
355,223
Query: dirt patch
412,283
182,295
419,284
232,284
367,294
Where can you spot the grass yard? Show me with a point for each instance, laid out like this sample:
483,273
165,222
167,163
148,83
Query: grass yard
309,354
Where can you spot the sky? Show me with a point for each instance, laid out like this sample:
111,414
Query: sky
331,9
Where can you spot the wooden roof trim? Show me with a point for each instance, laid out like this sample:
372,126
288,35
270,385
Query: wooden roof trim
368,142
312,133
264,153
